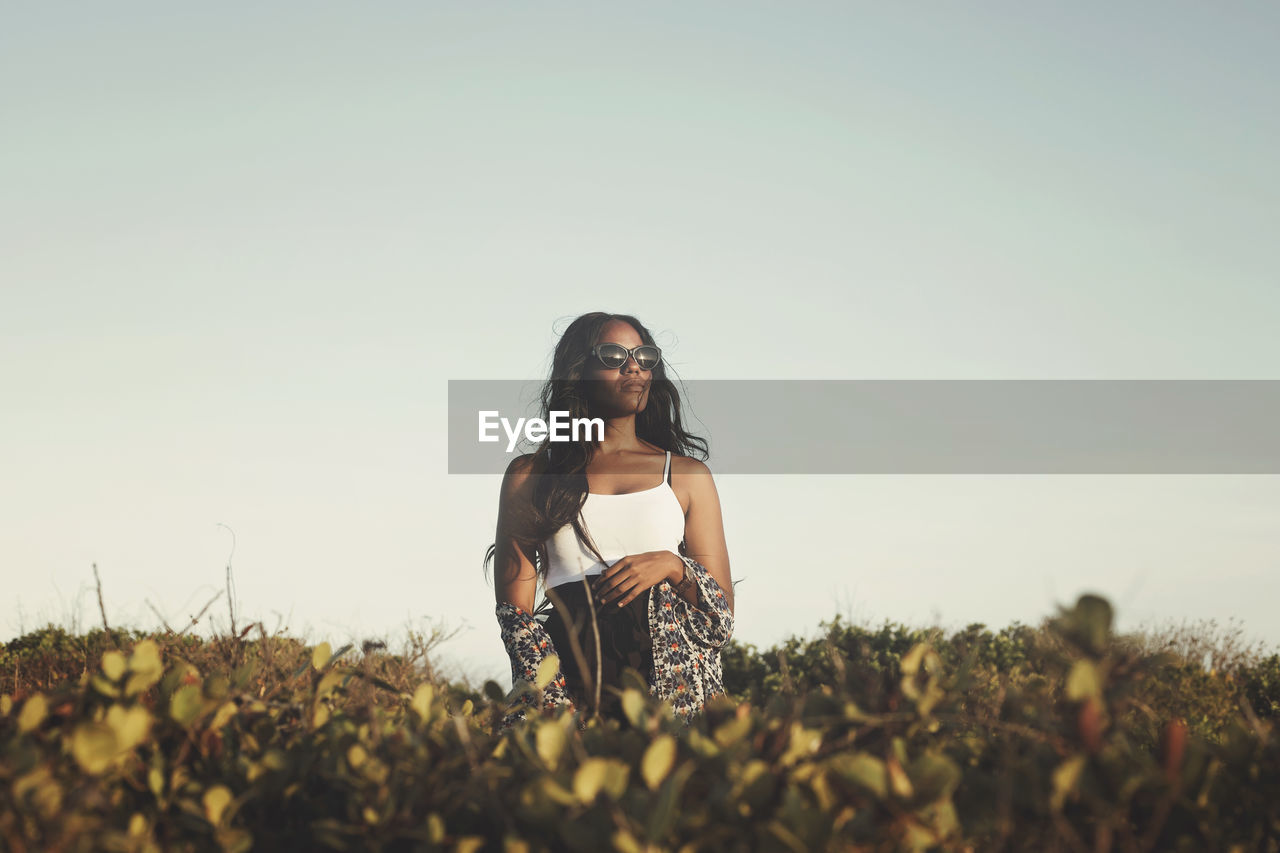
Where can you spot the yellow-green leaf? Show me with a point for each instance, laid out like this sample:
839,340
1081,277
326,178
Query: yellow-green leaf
104,685
550,741
435,828
330,682
911,661
155,781
547,671
658,760
934,777
223,715
865,771
589,778
320,655
803,742
729,733
34,710
633,706
616,775
145,659
898,779
94,747
130,725
1084,681
186,704
556,793
1065,778
113,665
356,755
216,800
422,698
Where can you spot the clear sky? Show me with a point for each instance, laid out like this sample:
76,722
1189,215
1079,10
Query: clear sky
244,246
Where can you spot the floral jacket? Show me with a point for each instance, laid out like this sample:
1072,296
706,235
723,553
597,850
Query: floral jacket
686,648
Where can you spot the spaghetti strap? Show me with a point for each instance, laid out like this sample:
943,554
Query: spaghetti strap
666,470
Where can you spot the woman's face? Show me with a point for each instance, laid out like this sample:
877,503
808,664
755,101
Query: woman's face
621,390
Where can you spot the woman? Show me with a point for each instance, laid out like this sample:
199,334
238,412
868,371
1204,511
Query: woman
624,530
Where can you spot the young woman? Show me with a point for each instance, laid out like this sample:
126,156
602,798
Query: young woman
624,532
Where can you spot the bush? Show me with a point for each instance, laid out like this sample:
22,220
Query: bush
1058,737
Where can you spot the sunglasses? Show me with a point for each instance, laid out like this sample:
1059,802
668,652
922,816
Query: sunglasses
615,355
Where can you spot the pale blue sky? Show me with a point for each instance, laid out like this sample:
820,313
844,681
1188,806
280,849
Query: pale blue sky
243,247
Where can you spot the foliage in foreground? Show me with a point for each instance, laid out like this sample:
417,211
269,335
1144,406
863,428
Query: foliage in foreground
1061,738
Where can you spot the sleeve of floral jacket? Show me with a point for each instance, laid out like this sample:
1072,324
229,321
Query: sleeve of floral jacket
687,640
528,644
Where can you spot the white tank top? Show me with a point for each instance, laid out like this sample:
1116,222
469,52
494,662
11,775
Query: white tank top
620,526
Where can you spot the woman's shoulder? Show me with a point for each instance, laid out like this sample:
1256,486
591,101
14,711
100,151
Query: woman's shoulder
517,480
687,465
521,466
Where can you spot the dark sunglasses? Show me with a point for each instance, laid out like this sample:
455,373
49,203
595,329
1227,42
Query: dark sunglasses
615,355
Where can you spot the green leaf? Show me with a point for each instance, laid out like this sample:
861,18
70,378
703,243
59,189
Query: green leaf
113,665
1065,779
94,747
155,781
863,770
244,674
33,712
435,828
329,682
658,760
130,725
732,731
662,813
633,706
616,775
911,660
224,714
556,792
899,782
216,800
104,685
422,698
935,777
186,705
551,738
145,661
1084,681
493,691
320,655
589,778
547,671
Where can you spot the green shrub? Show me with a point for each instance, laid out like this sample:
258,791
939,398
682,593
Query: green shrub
1061,737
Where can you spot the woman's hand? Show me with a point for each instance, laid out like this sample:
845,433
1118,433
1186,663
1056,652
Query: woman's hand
630,576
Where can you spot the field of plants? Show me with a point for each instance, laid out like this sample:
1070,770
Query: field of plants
1060,737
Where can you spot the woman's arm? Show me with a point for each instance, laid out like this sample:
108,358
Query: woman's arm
704,526
515,577
515,585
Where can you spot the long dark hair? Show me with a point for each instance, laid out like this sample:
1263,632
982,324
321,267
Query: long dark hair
560,468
